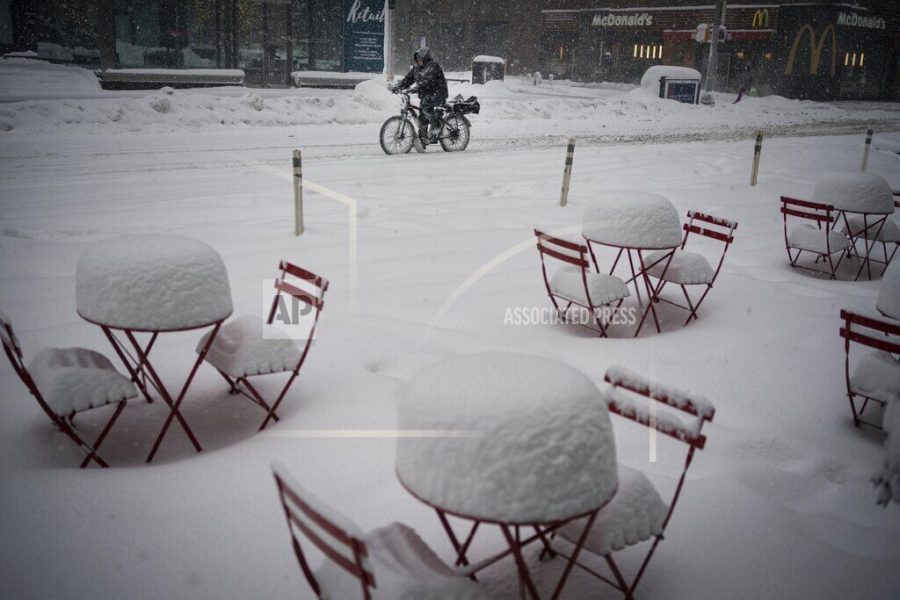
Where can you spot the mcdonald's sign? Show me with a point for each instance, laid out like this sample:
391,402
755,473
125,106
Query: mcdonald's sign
815,47
761,18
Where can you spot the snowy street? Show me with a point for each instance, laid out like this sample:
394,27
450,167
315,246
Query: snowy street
426,253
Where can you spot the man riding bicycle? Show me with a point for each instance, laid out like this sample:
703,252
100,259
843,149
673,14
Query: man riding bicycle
429,83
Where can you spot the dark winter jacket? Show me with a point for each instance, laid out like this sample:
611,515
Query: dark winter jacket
429,77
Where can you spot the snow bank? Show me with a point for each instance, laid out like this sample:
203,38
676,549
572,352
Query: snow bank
152,282
859,192
526,438
375,94
590,109
29,78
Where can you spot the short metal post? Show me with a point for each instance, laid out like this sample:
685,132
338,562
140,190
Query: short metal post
866,151
298,194
567,173
757,148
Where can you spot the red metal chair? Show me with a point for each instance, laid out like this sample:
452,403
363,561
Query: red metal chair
876,376
577,284
690,268
241,351
823,241
394,557
638,513
69,381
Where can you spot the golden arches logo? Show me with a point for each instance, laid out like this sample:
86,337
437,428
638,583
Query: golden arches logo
761,18
815,49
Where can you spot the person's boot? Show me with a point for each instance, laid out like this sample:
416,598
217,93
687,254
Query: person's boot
434,130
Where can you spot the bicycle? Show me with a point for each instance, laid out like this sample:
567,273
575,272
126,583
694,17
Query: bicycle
401,133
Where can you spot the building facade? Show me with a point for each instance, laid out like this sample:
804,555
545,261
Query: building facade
268,39
818,49
783,47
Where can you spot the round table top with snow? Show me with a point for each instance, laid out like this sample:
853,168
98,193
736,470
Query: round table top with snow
506,438
855,192
888,301
639,220
152,283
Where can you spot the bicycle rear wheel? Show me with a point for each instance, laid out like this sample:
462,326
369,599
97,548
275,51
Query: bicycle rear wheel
396,136
455,133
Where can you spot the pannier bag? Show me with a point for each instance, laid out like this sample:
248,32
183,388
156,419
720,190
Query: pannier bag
464,107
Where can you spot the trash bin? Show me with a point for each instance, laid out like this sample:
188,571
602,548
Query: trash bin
486,68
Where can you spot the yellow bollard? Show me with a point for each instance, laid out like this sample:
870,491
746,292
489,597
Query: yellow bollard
567,173
298,194
757,148
865,161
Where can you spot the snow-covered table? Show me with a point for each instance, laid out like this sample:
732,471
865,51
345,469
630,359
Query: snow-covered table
888,301
863,202
634,223
509,440
153,284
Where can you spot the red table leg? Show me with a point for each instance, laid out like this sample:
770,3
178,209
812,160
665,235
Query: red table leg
177,404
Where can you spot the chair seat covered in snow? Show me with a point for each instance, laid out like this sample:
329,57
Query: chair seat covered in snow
568,283
808,237
875,376
68,381
635,514
72,380
240,350
390,563
686,268
575,283
888,300
638,513
246,347
811,226
689,268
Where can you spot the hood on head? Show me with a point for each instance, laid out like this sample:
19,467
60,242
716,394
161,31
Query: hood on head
424,53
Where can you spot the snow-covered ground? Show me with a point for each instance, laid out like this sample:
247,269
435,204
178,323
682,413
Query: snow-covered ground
779,504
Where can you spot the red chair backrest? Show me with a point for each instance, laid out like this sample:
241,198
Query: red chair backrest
722,229
560,249
311,289
870,331
804,209
306,514
13,351
670,396
8,337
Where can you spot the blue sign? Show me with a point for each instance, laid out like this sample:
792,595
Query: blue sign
364,35
682,90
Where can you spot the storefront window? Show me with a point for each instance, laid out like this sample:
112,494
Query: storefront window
201,33
62,30
145,33
6,32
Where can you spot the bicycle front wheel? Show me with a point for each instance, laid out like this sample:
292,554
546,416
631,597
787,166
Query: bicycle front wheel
396,136
455,133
